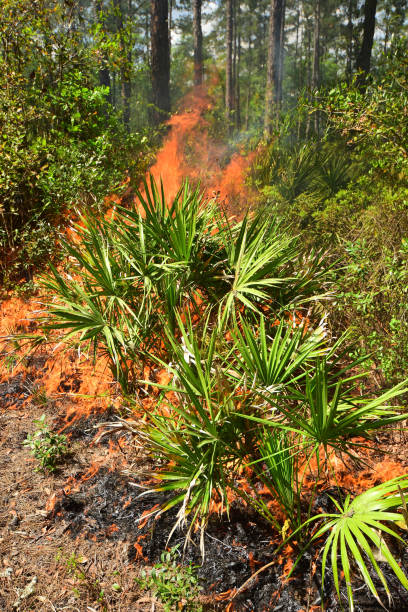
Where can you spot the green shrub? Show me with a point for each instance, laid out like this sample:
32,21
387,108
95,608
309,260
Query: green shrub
175,585
349,195
62,144
373,119
47,447
261,402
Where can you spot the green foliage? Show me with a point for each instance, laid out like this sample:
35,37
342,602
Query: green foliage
286,173
352,201
348,194
357,535
62,144
136,270
258,402
175,585
77,567
47,447
373,120
276,450
228,419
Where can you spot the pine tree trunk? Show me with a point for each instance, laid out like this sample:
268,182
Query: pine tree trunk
316,47
170,22
125,60
234,50
160,59
237,94
198,43
387,28
103,73
228,77
126,78
350,28
248,94
316,58
364,57
281,56
126,95
297,63
273,62
147,33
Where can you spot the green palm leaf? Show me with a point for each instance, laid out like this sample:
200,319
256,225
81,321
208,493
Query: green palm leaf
357,532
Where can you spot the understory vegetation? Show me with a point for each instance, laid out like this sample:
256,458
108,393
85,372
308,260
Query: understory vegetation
273,345
261,399
347,194
63,146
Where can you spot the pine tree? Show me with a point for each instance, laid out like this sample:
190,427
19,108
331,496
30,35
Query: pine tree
364,57
198,43
274,64
160,59
229,86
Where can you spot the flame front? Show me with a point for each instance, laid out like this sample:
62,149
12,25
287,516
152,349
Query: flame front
188,152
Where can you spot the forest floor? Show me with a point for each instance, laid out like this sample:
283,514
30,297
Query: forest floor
76,539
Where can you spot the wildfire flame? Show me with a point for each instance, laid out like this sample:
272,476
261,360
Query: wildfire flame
189,152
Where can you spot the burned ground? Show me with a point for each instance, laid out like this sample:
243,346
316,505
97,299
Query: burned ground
90,514
91,508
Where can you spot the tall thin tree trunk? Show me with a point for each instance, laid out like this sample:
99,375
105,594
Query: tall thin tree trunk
297,66
248,94
229,92
387,27
160,59
104,74
316,47
125,64
349,65
237,95
170,22
364,57
126,78
273,62
308,37
198,43
234,48
309,55
147,33
316,58
281,56
126,92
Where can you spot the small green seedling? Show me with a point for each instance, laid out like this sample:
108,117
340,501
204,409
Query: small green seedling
176,586
77,566
47,447
39,396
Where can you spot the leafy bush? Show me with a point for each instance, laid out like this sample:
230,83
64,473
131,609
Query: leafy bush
348,195
62,144
63,150
47,447
258,399
175,585
373,120
294,404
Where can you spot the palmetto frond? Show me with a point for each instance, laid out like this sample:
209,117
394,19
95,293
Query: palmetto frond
358,532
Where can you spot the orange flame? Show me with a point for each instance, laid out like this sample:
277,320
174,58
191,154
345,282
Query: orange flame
189,152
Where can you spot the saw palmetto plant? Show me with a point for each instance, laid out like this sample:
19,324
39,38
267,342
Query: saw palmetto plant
129,271
357,535
260,399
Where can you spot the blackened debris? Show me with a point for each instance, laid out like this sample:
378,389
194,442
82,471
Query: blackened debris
109,506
